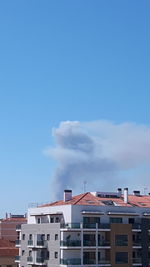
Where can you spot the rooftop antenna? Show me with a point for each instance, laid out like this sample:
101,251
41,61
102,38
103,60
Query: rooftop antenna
84,186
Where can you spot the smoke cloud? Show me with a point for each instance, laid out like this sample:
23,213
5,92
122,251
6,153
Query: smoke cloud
99,152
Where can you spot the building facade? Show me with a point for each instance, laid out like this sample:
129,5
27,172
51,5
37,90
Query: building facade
95,229
8,226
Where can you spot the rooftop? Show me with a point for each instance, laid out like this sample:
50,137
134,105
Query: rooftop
7,249
90,199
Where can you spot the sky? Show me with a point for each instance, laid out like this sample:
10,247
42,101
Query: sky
81,60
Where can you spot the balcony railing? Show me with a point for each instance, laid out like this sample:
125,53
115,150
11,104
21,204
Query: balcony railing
40,259
30,242
70,226
70,243
89,243
85,226
104,243
136,226
40,243
74,261
103,261
137,243
89,261
136,260
30,259
17,258
89,225
18,227
18,242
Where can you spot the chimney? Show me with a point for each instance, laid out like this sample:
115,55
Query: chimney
67,195
126,195
136,193
119,192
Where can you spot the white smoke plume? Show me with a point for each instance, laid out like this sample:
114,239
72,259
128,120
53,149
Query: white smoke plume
97,152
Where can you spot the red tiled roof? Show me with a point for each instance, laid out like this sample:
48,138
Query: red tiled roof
8,249
90,199
9,252
14,220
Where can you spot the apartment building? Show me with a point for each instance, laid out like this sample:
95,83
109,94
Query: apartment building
95,229
8,226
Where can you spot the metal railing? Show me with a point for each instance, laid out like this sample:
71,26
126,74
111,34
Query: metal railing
70,243
18,227
70,226
74,261
103,243
17,258
30,259
30,242
18,242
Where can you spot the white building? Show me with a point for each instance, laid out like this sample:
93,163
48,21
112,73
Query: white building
92,229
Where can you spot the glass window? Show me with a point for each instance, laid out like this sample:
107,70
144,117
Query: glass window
39,220
57,220
52,220
56,236
121,257
121,240
23,251
56,254
131,220
48,237
115,220
23,237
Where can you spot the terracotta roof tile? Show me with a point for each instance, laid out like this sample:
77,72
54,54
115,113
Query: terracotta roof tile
90,199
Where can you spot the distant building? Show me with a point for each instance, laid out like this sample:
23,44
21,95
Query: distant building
8,253
94,229
8,226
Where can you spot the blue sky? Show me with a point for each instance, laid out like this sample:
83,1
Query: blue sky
65,60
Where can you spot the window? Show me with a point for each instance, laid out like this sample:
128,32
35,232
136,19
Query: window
131,220
56,236
121,257
47,255
52,220
38,220
30,237
115,220
48,237
56,255
23,237
30,253
121,240
23,251
57,220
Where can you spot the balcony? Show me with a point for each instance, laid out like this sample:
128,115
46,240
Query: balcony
89,225
103,261
96,225
18,242
30,243
70,243
136,260
30,259
18,227
40,260
104,243
89,243
89,261
17,258
74,261
136,226
137,243
70,226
